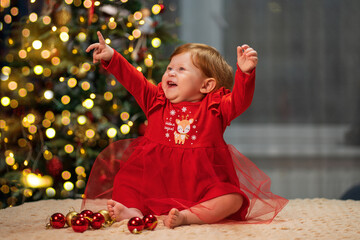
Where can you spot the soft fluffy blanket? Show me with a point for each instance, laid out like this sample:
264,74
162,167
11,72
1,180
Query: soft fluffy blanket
300,219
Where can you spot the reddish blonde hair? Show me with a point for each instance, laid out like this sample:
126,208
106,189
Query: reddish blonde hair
210,62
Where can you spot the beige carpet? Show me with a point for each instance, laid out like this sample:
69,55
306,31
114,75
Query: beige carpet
300,219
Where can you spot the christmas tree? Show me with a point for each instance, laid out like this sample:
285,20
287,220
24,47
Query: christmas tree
58,110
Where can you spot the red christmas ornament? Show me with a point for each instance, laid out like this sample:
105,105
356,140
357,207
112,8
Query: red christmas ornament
57,220
150,222
79,223
54,166
162,7
97,221
135,225
87,214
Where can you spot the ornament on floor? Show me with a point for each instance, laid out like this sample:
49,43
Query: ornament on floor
135,225
57,220
81,222
150,222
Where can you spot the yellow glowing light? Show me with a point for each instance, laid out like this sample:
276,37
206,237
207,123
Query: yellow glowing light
156,9
93,96
139,68
69,1
124,116
111,132
107,41
33,17
36,181
45,54
66,175
90,133
38,69
68,186
54,28
46,20
5,3
48,94
55,61
32,129
26,72
48,155
129,24
112,25
10,160
131,37
125,129
65,99
8,18
50,192
64,36
65,121
124,1
113,82
30,118
61,79
85,85
47,72
86,66
46,123
81,37
72,82
2,124
22,54
6,70
69,148
50,132
148,62
79,170
156,42
14,103
88,103
28,193
137,15
87,3
12,85
82,151
80,184
22,92
69,132
108,96
25,32
5,189
130,123
82,119
5,101
136,33
50,115
14,11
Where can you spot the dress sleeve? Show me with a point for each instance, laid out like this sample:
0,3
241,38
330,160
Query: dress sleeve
236,102
134,81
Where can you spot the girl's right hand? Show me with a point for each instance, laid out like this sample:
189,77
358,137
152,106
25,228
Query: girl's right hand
102,50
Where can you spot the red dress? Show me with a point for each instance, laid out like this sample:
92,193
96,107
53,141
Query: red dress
182,160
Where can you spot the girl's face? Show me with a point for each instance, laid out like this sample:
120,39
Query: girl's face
182,80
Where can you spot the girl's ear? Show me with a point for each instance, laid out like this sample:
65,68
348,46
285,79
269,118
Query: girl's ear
209,84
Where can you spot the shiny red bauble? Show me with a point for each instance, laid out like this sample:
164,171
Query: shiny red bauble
87,213
97,221
135,225
79,223
150,222
57,220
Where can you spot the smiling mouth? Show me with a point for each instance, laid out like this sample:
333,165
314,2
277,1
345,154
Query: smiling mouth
171,84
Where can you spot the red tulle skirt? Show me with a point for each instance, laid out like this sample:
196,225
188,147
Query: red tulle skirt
155,178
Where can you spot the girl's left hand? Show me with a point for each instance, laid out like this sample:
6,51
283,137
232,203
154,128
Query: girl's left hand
247,58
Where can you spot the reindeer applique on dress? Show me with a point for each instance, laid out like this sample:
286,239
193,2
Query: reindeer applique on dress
183,127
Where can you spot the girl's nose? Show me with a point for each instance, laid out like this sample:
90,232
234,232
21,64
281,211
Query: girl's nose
172,73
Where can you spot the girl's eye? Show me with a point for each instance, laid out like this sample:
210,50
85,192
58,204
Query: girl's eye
169,68
181,69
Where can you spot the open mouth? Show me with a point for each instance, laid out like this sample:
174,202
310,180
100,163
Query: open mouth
171,84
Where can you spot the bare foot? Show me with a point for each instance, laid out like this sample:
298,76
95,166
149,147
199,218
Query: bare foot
174,218
120,212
